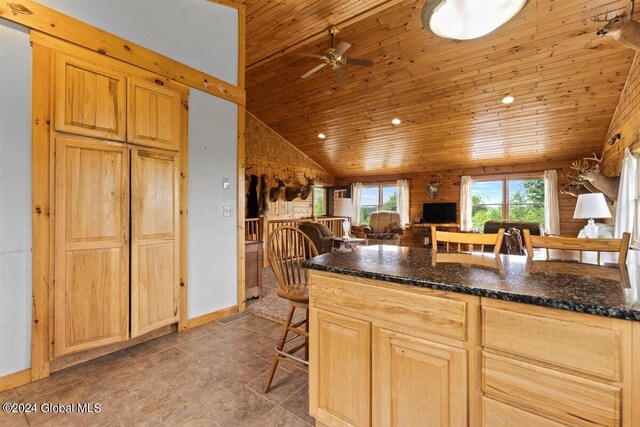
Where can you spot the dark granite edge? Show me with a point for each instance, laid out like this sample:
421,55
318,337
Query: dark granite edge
613,312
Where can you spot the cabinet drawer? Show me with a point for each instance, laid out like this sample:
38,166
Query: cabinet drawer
589,348
498,414
423,309
576,400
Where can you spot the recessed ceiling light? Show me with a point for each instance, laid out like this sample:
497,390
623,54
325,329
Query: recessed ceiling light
396,121
508,99
322,136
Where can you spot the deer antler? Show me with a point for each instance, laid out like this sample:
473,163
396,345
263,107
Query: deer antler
596,19
595,158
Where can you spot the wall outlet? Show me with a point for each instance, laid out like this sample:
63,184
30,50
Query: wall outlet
225,183
226,211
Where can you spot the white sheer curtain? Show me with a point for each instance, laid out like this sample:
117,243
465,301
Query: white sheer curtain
465,203
403,201
356,189
551,207
625,210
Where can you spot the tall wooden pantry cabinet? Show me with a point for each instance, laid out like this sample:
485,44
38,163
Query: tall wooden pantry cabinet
116,140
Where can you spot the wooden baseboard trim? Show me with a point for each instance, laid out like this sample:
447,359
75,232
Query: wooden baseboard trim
14,380
210,317
77,358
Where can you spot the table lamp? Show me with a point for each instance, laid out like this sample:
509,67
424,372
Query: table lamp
590,206
344,207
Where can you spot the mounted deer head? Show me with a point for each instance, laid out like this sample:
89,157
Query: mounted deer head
432,189
608,185
274,193
293,192
575,186
621,27
306,190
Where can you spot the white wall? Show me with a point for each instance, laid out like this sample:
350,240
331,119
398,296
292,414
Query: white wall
212,238
198,33
15,198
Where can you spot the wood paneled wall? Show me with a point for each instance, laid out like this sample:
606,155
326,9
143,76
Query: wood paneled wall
449,190
626,122
270,154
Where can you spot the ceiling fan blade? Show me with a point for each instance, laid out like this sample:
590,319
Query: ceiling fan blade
310,55
342,48
313,70
339,75
358,61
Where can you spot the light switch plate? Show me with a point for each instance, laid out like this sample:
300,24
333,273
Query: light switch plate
225,183
226,211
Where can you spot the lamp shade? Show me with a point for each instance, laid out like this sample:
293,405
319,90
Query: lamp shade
343,207
468,19
591,205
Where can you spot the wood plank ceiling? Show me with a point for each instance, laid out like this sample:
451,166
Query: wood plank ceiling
565,79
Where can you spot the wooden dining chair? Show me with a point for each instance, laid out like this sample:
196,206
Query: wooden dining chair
287,249
459,248
572,260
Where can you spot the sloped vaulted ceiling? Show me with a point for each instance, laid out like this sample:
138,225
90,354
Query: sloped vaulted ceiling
565,79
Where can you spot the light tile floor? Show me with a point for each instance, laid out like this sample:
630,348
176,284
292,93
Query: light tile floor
208,376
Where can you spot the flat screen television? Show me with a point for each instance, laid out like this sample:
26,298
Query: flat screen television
439,213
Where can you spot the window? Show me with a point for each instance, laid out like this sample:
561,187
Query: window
377,198
319,201
516,199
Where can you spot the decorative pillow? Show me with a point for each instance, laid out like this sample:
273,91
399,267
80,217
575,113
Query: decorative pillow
389,228
324,230
382,236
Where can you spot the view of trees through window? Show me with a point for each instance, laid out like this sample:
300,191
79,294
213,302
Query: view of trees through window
524,197
319,201
377,198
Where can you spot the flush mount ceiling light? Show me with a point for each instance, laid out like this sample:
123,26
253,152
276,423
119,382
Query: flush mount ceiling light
322,136
396,121
508,99
468,19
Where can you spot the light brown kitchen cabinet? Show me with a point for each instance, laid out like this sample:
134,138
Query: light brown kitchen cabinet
383,354
117,137
340,368
91,245
154,240
415,379
90,100
154,115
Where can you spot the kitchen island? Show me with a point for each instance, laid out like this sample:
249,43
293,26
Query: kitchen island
397,341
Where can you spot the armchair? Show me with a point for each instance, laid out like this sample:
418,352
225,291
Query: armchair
319,234
383,229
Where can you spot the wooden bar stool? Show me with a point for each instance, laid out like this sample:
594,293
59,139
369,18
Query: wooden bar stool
287,249
458,248
571,260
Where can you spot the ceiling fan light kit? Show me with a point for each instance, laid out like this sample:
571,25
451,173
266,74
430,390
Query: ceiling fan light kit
468,19
333,58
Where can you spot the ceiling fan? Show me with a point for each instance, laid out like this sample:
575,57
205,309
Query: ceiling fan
333,57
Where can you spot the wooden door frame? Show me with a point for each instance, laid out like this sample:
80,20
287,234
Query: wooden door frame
41,18
43,133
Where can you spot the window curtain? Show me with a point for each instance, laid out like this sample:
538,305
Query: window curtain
403,201
625,218
465,203
551,207
356,189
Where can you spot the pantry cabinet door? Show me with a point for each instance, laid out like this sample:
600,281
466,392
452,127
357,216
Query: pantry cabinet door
154,115
90,99
414,379
154,240
91,302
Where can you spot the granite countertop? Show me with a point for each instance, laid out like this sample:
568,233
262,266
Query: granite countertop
412,267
